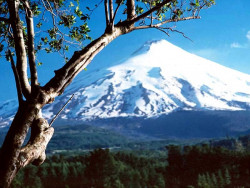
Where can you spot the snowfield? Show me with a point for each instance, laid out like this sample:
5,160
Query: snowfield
162,79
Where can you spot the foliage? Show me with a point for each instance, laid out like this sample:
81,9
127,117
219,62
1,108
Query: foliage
205,166
201,166
99,169
60,24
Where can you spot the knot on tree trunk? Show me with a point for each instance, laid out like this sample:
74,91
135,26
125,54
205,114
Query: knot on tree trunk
34,151
40,159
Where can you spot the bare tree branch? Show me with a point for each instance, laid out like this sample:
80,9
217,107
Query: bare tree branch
116,10
82,65
19,46
162,30
58,113
106,13
18,85
177,31
178,20
111,11
156,7
79,61
130,9
31,45
48,9
165,22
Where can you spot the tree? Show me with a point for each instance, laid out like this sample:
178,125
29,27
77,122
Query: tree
101,169
227,177
67,25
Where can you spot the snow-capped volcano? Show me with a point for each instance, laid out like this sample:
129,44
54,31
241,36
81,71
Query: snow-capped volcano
163,79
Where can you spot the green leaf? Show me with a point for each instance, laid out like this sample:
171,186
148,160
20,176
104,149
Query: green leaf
71,4
67,20
52,33
197,3
48,50
35,9
85,17
39,24
138,10
78,12
45,40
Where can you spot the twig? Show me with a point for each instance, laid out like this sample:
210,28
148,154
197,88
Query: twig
182,33
162,30
45,6
97,5
58,113
116,11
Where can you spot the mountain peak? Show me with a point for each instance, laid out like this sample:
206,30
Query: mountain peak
163,79
145,47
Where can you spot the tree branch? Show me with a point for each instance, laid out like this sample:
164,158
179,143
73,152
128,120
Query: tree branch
165,22
156,7
162,30
111,11
19,46
130,9
48,9
31,45
107,13
183,34
178,20
79,61
18,85
81,66
34,151
116,10
58,113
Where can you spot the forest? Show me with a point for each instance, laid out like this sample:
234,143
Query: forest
217,164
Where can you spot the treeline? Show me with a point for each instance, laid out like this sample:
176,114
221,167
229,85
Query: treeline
199,166
207,167
99,169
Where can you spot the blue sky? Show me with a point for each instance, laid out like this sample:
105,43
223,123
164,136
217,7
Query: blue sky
222,35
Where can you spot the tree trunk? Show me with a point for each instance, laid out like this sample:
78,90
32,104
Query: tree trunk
13,156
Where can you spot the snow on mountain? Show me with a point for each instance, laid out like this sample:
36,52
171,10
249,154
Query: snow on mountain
163,78
7,110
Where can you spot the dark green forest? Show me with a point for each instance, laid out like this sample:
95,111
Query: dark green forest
215,164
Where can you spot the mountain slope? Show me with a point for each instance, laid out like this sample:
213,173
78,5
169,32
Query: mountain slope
161,79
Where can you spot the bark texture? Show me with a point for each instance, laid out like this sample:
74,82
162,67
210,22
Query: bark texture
13,156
